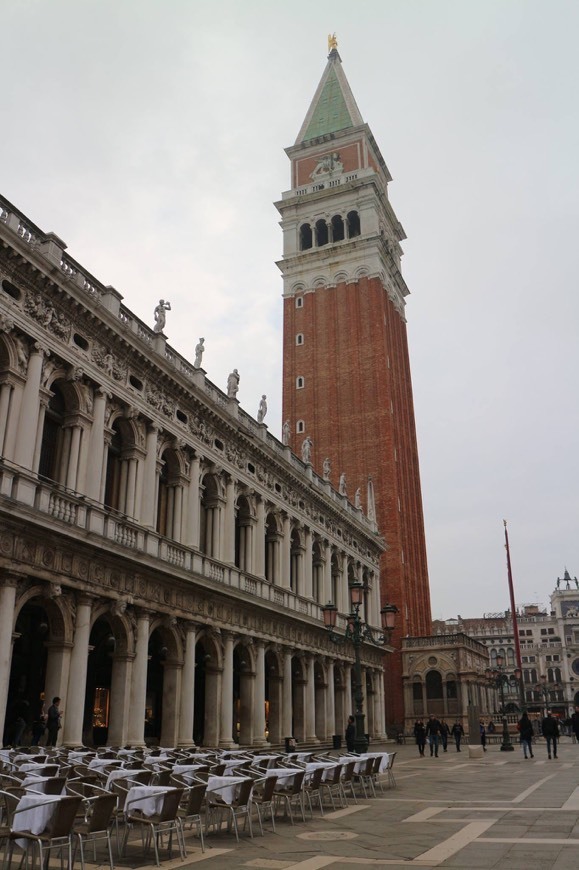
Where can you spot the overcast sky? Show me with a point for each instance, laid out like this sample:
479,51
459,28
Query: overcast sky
149,135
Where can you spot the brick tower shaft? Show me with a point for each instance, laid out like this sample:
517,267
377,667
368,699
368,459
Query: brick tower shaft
346,374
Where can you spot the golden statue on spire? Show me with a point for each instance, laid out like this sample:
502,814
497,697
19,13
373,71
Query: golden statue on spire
332,42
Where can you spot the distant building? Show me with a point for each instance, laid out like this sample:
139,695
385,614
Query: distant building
549,639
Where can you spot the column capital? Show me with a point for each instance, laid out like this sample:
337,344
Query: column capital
8,577
85,598
40,349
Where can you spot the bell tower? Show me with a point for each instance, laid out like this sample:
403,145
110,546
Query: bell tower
346,369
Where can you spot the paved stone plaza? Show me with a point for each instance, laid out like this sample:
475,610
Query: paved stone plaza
497,812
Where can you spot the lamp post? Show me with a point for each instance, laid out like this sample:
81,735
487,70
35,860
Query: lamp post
546,690
357,632
501,680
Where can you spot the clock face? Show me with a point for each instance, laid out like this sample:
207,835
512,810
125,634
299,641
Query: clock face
575,666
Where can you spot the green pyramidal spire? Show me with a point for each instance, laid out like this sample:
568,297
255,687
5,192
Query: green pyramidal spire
333,107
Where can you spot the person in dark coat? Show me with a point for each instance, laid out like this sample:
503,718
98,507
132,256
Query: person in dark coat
444,733
457,732
525,729
483,735
350,734
433,734
53,722
420,735
550,729
575,724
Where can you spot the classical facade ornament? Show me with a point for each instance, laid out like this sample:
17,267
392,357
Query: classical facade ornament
286,433
327,468
199,351
233,384
329,164
342,485
262,410
307,450
160,315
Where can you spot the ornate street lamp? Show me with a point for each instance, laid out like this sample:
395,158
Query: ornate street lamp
358,632
501,680
546,690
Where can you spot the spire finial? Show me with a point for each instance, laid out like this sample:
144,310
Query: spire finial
332,43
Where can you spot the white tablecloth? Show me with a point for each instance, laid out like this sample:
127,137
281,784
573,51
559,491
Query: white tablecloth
79,757
103,763
32,765
223,787
187,771
265,760
284,774
30,817
122,773
38,783
153,760
5,755
148,799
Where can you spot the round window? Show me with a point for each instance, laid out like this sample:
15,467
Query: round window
433,661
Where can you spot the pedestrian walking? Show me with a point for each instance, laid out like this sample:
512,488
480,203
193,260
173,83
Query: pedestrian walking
433,734
550,729
53,718
457,732
525,729
483,735
444,733
575,724
420,735
350,734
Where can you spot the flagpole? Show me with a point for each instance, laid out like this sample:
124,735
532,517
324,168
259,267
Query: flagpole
514,618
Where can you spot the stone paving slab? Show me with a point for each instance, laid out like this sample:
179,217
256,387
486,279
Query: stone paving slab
452,811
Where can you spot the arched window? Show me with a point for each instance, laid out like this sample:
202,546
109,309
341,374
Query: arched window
300,383
243,538
317,572
335,580
300,338
272,543
337,228
306,237
52,438
353,220
209,531
296,553
510,657
321,233
433,685
168,483
300,427
113,477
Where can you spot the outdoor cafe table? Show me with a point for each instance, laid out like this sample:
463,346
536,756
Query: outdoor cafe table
103,763
187,771
153,760
33,765
268,759
285,773
360,759
77,757
223,787
35,782
122,773
33,814
148,799
326,765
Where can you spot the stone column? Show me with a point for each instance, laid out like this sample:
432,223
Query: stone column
56,682
310,703
73,721
259,696
286,545
26,442
12,422
259,540
149,507
96,445
9,584
229,520
327,590
73,456
193,501
286,704
188,688
226,730
307,569
348,688
331,704
171,702
344,604
120,699
139,681
5,391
